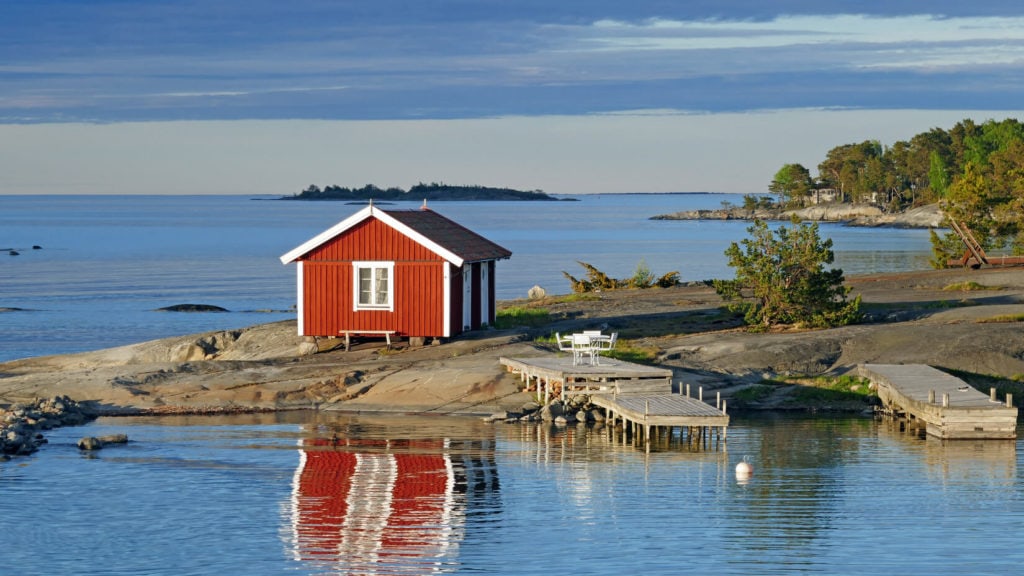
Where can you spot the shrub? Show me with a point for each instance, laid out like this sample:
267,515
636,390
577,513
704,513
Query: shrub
781,279
597,281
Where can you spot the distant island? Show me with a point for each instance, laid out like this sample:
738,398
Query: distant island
433,191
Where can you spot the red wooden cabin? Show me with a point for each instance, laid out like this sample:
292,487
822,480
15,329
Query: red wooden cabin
411,273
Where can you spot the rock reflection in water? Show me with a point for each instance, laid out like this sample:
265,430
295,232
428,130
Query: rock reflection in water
395,506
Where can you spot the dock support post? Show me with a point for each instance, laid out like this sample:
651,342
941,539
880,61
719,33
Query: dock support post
1009,400
945,399
992,394
718,400
931,396
647,427
700,393
687,390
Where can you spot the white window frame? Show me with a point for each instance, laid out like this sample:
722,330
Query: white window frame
373,266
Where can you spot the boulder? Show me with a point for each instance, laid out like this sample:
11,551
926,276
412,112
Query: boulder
90,443
536,293
550,411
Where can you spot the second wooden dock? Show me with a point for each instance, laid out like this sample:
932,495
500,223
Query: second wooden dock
947,406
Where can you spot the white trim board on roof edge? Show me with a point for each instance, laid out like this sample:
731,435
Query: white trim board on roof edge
358,217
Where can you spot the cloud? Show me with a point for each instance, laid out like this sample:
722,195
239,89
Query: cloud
113,61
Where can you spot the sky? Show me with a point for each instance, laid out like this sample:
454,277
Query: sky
573,96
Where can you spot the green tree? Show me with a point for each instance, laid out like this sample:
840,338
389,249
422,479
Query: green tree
792,183
938,174
781,279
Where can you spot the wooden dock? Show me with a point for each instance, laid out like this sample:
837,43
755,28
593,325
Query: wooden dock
556,376
948,407
639,397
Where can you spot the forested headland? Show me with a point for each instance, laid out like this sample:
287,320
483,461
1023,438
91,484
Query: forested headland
433,192
975,172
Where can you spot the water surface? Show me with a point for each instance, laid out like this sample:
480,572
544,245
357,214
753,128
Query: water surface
362,494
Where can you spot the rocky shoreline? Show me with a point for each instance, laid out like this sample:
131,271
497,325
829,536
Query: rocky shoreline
865,215
22,425
960,320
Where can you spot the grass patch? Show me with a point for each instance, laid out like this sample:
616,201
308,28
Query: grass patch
827,390
517,316
1002,318
810,395
845,384
630,352
969,286
571,298
754,394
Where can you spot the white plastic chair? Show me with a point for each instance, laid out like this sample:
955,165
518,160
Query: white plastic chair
605,344
564,342
581,345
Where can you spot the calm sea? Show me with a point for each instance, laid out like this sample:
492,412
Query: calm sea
107,263
268,495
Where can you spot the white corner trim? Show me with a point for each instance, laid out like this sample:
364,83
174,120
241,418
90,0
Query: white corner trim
446,307
300,304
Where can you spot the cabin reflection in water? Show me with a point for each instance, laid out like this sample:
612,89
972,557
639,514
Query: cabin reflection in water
389,506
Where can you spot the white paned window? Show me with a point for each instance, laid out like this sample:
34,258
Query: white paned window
374,285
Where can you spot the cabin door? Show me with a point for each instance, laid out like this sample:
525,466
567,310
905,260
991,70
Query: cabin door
485,293
467,296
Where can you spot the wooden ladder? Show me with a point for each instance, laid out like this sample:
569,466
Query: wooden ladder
973,247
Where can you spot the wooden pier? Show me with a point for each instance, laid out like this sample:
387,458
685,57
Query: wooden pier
556,376
948,407
640,397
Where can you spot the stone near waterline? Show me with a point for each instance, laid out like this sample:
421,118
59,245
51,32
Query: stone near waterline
308,348
90,443
417,341
550,412
595,415
583,416
536,293
94,443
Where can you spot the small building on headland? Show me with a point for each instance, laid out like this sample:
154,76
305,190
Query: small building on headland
405,273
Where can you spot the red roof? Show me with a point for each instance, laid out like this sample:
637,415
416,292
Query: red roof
460,240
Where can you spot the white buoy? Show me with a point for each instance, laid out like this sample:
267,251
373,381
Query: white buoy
744,470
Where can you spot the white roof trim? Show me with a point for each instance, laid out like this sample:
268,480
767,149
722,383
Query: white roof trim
358,217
